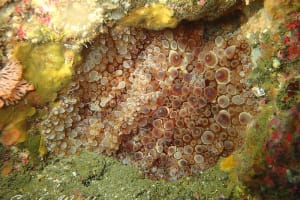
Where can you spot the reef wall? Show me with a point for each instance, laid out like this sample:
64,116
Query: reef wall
211,105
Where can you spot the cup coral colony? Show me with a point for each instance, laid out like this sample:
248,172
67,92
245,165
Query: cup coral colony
169,102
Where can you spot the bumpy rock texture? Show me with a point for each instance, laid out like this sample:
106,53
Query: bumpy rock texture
169,102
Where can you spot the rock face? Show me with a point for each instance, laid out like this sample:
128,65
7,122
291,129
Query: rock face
169,102
39,21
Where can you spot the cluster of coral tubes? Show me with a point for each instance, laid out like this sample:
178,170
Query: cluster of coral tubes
170,102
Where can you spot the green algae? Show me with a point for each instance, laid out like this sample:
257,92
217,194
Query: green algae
90,175
14,114
154,17
252,153
48,66
32,145
16,117
289,94
260,168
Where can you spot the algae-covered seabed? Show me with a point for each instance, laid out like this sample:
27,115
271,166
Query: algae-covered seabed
92,176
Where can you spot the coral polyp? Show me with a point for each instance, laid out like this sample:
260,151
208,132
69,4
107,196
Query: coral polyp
169,107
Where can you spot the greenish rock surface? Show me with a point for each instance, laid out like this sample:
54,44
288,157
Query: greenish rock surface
48,66
89,175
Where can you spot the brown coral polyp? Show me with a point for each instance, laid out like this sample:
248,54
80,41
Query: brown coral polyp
223,118
157,123
210,93
223,101
230,51
169,125
162,111
199,159
210,59
207,137
219,41
222,75
177,90
157,133
199,67
175,58
245,118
